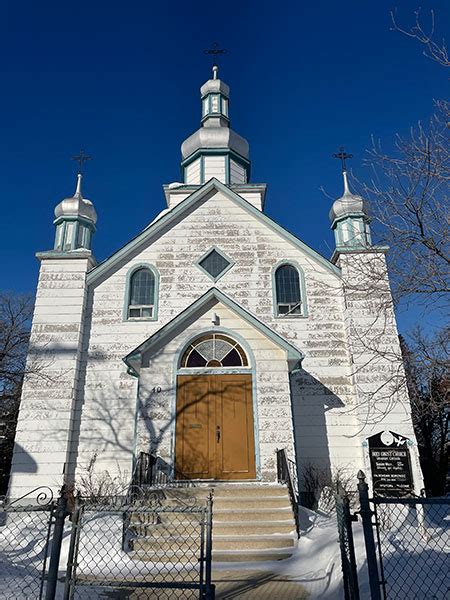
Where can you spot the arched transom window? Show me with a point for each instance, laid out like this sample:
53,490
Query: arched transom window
142,294
287,289
214,350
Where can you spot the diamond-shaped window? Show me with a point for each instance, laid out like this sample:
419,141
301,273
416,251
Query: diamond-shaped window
214,264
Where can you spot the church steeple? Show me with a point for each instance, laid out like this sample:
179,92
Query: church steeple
215,150
75,219
349,215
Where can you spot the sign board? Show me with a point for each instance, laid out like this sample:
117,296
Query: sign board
391,465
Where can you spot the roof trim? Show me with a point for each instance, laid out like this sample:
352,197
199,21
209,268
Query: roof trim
212,296
184,206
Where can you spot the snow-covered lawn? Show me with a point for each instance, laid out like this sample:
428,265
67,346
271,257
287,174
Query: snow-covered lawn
315,565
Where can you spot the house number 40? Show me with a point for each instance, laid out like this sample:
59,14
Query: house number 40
157,390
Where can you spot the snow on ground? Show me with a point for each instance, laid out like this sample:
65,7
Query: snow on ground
315,564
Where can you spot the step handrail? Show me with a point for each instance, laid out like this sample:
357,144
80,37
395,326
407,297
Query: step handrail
287,475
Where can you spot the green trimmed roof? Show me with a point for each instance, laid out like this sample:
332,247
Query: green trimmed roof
191,314
164,223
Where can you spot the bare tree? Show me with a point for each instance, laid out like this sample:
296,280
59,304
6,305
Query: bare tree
15,321
437,51
409,193
410,198
428,379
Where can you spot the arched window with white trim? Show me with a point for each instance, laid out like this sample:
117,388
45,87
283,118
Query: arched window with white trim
288,291
142,294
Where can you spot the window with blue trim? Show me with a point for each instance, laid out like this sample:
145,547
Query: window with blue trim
141,303
287,291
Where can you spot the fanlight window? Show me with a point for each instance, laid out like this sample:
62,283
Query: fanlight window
287,287
142,294
215,351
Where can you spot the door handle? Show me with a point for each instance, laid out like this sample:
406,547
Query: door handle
218,433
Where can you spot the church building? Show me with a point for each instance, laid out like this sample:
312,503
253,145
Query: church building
213,338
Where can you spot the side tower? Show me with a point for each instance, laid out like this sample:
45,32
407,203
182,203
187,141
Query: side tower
41,453
382,401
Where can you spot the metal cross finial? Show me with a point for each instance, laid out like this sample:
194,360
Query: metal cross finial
81,159
342,155
215,51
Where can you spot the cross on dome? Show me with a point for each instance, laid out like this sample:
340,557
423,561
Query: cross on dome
343,156
81,158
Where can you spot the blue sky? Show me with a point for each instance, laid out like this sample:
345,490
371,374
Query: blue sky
121,80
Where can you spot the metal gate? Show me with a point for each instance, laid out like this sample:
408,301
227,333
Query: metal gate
407,544
158,545
26,531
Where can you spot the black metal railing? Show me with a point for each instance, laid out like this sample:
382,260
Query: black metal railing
287,475
152,470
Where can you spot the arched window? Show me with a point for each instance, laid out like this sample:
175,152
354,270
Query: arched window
287,291
214,350
141,301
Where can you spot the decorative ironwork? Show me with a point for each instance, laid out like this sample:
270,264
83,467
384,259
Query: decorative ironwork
342,156
44,497
26,535
81,158
215,51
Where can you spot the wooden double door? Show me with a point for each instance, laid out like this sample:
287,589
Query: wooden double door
214,427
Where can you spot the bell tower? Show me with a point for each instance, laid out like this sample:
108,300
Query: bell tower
215,150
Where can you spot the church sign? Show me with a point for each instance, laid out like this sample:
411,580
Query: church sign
391,465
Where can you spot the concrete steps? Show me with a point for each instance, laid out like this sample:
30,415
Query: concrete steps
251,523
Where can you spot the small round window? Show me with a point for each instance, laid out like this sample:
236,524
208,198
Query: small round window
214,351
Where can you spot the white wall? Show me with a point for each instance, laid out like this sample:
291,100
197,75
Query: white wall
255,249
325,397
49,390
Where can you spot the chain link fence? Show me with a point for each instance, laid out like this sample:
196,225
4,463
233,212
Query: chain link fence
157,546
25,545
407,545
413,538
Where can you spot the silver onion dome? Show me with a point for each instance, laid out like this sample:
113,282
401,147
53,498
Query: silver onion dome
215,137
76,206
348,203
215,131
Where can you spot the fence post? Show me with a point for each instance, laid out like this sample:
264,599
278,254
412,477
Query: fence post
369,540
60,516
71,559
348,559
210,588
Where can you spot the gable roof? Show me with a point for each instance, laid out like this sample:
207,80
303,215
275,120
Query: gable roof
191,313
165,221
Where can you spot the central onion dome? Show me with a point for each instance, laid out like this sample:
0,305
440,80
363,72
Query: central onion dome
215,150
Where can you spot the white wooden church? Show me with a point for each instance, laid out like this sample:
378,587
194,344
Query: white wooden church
212,338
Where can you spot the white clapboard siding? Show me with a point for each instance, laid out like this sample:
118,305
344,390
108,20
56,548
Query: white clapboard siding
237,172
193,172
214,166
